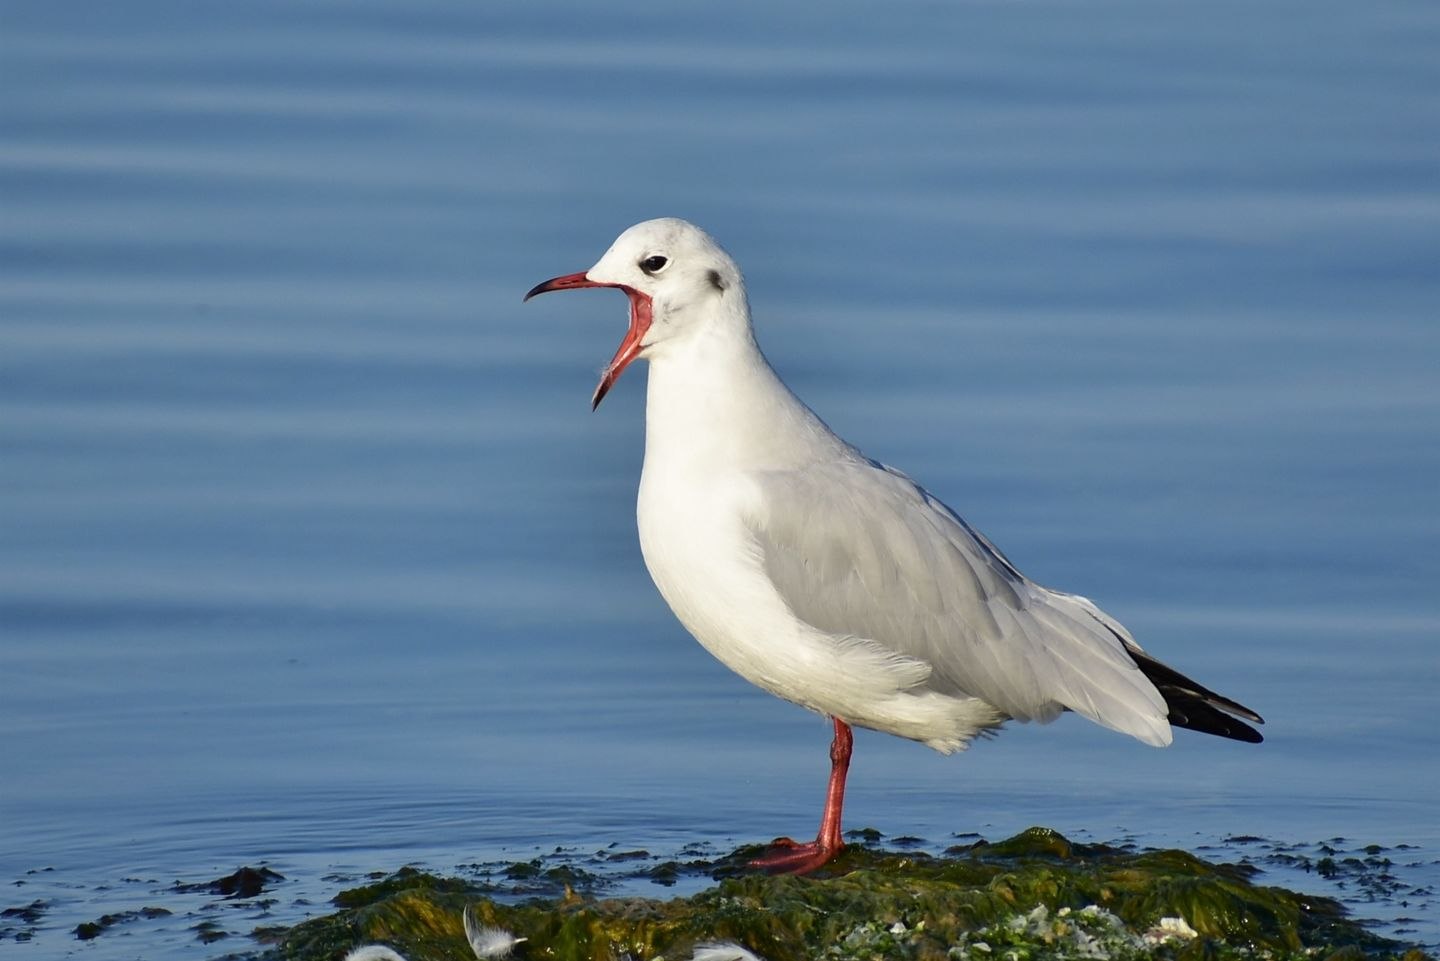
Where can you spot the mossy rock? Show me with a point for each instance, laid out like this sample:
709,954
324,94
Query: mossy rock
1031,897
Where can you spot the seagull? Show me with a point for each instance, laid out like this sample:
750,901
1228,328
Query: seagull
834,581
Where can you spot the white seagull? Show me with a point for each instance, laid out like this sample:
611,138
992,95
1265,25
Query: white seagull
834,581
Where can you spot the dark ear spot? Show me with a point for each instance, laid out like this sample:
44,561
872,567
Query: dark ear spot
716,280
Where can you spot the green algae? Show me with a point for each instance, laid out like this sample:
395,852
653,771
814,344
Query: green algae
1033,897
405,879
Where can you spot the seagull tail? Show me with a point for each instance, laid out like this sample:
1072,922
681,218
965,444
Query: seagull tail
1194,706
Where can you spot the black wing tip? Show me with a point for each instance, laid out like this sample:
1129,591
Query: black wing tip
1197,708
1194,713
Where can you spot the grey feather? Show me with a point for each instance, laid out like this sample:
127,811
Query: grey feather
858,549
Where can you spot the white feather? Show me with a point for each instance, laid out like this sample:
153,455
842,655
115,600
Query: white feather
488,942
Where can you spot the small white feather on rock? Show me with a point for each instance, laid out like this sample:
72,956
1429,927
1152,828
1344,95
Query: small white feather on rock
374,952
487,942
1171,929
723,951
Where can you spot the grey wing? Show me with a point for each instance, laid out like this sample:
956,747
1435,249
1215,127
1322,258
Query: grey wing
857,550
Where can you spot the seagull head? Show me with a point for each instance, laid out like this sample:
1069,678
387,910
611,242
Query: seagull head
675,276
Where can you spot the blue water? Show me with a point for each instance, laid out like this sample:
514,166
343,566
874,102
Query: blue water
311,552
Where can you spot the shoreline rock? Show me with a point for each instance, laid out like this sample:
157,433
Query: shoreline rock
1030,897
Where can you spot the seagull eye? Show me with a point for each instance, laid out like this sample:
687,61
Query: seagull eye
653,264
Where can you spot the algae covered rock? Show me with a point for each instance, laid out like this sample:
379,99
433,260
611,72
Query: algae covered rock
1033,896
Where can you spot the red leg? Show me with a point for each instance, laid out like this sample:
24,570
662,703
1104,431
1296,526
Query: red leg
792,857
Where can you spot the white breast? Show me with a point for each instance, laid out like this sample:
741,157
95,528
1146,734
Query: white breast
696,492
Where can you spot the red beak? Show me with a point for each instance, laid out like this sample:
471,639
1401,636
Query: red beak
629,347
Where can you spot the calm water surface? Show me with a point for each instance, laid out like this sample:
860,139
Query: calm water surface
311,552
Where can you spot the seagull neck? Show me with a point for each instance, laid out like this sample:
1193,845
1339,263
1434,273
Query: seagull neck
714,402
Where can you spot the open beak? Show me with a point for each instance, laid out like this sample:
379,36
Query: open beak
630,347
